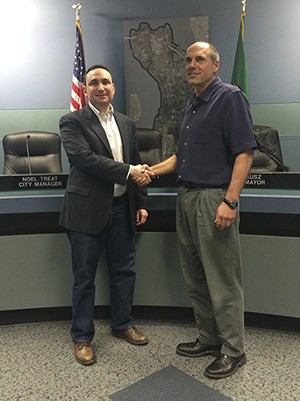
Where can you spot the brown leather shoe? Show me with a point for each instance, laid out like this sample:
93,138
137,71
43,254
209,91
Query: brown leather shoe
132,335
84,353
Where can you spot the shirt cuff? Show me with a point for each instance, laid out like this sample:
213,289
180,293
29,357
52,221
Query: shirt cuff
129,171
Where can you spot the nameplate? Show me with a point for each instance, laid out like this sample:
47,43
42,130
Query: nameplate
266,180
274,180
23,182
269,180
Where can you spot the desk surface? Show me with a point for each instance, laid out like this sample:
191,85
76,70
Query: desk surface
252,201
42,193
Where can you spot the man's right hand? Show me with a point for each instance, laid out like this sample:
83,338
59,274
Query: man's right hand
141,174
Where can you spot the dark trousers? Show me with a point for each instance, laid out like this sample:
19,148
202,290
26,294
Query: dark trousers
118,241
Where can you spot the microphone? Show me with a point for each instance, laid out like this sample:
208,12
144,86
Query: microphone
28,153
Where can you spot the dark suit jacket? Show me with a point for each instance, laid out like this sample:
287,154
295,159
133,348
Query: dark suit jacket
93,171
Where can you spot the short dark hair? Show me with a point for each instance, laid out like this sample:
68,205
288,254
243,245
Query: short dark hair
94,67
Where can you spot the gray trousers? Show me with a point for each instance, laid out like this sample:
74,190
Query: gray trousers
212,269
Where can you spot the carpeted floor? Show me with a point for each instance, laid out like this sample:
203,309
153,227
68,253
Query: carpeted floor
37,364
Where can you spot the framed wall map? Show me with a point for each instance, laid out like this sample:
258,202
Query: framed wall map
156,86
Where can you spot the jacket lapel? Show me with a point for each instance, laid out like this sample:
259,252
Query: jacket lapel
95,124
124,135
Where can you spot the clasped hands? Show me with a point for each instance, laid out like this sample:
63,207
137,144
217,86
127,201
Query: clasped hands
141,174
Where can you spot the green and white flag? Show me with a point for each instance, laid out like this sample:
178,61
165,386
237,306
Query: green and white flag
240,71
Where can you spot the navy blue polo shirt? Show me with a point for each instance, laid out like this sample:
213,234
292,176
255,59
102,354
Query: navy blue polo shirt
216,127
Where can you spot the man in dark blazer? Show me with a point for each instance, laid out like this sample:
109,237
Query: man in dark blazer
101,208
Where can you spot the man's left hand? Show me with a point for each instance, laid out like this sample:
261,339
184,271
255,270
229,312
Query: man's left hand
141,216
225,216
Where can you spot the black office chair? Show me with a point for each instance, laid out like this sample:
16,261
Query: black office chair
32,152
268,154
150,145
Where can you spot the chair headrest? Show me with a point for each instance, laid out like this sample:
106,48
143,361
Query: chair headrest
150,145
32,152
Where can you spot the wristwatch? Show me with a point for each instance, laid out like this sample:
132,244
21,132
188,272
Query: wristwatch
232,204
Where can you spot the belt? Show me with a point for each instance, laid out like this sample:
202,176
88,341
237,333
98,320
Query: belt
191,185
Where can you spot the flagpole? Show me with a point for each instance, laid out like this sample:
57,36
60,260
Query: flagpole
243,15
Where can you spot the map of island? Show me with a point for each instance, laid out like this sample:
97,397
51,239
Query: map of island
157,53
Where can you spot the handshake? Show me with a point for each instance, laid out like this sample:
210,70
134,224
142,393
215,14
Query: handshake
141,174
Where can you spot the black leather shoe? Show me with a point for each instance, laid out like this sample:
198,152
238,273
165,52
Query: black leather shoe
225,366
196,349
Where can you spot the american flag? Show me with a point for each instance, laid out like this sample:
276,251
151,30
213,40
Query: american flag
77,94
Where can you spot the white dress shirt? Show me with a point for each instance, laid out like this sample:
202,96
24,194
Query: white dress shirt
108,122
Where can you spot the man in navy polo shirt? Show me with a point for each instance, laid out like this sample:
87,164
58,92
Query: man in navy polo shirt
215,152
